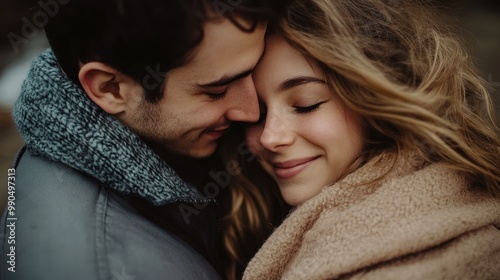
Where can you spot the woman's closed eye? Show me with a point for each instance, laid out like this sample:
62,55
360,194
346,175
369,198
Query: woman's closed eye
307,109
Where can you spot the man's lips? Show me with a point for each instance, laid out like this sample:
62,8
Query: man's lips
216,133
290,168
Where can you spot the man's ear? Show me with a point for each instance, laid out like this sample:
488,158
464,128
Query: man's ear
107,87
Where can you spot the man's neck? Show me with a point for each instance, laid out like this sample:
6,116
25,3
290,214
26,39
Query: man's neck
194,171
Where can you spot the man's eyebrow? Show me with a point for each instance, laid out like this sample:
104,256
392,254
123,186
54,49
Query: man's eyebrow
226,80
297,81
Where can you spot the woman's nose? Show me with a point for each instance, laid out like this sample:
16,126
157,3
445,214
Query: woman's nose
277,132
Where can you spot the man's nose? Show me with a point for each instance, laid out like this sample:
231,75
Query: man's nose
244,105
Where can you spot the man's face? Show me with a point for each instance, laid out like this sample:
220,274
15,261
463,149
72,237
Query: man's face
203,97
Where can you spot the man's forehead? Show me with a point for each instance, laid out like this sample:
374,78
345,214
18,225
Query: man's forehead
225,53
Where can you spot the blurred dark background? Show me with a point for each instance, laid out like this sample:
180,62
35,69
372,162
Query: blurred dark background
478,22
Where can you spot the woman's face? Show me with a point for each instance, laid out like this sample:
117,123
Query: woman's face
306,138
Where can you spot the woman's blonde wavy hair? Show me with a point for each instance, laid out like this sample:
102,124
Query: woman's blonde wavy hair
399,65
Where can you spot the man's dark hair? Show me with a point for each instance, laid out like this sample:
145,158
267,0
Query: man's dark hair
142,38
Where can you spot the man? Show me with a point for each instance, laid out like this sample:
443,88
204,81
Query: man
118,119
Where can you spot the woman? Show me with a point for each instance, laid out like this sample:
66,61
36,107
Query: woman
379,132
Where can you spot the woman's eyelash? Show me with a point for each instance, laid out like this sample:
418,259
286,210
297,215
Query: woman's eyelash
308,109
298,109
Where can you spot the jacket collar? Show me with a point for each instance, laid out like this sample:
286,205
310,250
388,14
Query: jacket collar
59,122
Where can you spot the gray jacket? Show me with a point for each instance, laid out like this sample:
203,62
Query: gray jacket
92,200
70,226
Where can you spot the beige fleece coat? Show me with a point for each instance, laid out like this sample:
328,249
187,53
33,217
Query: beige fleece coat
419,222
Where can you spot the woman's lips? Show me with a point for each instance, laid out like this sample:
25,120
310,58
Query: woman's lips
290,168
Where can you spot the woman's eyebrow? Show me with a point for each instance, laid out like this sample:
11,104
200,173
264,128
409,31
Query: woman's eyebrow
297,81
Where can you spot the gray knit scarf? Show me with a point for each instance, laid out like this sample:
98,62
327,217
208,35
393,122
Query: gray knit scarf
59,122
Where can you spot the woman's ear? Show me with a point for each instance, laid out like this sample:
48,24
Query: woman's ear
107,87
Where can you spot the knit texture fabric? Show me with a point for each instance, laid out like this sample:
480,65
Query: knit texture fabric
58,121
421,221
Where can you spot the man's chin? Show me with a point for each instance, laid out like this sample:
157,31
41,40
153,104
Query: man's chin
204,152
